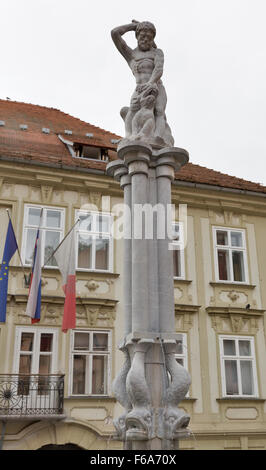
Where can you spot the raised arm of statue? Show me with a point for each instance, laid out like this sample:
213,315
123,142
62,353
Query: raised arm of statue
120,44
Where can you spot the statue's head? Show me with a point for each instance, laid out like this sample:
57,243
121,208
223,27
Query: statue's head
145,34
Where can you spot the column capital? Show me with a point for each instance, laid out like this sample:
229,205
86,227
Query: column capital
125,180
116,169
133,148
172,156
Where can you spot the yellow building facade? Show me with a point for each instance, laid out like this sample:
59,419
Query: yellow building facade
55,387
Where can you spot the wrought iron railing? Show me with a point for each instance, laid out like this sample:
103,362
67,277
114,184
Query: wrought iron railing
28,395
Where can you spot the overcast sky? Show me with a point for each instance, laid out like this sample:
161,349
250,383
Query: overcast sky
59,53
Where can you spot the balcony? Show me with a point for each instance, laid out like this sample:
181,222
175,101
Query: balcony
28,396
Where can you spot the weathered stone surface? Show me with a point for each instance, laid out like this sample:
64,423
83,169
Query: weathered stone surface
145,119
151,383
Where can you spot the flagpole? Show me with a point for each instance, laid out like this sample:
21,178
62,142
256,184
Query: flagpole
45,263
25,275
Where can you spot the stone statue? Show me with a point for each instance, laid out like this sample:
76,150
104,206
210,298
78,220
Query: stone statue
145,118
151,384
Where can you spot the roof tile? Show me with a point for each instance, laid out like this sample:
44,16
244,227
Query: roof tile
33,144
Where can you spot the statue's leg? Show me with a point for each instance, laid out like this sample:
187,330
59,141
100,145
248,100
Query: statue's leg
128,123
159,112
134,107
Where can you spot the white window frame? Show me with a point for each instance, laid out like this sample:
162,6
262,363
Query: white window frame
180,244
184,355
238,358
230,248
26,226
94,233
90,353
37,331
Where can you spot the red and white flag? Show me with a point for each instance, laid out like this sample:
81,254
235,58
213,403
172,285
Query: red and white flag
65,256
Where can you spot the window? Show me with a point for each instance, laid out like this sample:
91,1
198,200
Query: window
95,244
178,251
35,362
52,232
230,255
238,366
181,354
88,151
90,362
35,350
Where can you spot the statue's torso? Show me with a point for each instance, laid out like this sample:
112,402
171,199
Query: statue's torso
142,65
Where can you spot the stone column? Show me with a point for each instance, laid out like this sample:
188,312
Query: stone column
152,419
137,159
165,166
125,183
154,321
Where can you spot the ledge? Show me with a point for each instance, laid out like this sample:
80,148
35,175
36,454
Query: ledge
182,281
213,310
96,273
232,284
241,399
55,270
188,399
38,417
59,300
90,398
186,308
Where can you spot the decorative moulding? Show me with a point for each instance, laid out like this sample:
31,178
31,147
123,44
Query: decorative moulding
236,320
46,192
90,313
92,285
233,296
228,218
181,309
235,310
241,413
48,178
184,316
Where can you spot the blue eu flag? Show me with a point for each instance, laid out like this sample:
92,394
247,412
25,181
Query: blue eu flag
9,250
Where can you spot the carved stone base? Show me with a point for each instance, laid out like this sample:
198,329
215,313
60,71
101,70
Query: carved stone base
152,413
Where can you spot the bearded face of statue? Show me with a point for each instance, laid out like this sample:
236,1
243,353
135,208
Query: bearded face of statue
145,39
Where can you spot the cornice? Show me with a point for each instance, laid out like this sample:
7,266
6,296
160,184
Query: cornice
235,310
78,178
186,308
59,300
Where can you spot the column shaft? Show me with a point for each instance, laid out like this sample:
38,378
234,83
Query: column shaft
165,262
127,276
140,304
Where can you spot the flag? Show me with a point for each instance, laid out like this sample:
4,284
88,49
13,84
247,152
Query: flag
9,250
66,260
34,300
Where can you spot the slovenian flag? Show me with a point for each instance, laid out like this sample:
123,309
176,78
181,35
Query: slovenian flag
9,250
66,260
34,300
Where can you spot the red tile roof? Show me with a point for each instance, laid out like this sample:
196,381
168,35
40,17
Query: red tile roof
33,144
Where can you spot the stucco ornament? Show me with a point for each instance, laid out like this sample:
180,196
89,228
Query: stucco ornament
145,118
